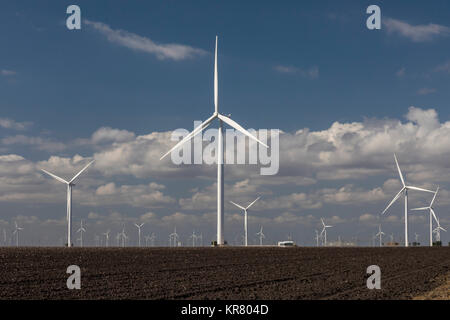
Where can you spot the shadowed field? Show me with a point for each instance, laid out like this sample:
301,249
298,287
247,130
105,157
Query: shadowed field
221,273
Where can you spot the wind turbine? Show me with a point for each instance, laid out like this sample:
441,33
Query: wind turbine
437,230
106,234
16,232
174,236
261,236
404,190
81,230
193,237
245,219
152,239
324,232
380,234
317,238
139,226
432,214
70,185
220,155
123,236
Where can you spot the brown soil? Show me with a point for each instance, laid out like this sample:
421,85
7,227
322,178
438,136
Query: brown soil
221,273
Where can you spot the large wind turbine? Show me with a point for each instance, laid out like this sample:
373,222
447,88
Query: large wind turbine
432,214
245,219
220,155
404,190
139,226
324,232
106,234
380,234
69,184
16,232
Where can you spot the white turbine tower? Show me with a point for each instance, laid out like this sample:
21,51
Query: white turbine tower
404,190
16,232
152,239
432,214
81,230
380,234
70,185
106,234
261,236
245,219
220,154
324,232
139,226
123,236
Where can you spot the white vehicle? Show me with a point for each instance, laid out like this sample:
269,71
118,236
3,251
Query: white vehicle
286,243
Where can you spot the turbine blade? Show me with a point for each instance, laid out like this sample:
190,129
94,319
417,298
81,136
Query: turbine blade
237,205
253,202
393,200
434,216
434,197
196,131
216,80
419,189
76,176
399,171
420,209
236,126
55,176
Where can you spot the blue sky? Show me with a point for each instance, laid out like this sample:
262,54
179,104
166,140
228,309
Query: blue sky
291,66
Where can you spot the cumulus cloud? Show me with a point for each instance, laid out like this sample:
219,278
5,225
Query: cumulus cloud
415,33
171,51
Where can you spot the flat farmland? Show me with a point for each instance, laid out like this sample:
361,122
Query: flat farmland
221,273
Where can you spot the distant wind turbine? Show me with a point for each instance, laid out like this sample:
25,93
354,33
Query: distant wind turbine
70,184
16,232
245,219
139,226
220,154
432,214
261,236
174,237
324,232
404,190
81,230
380,234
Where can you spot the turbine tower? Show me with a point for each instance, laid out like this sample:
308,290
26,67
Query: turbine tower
81,230
193,237
404,190
245,219
220,154
317,238
432,214
261,236
70,185
139,226
16,232
324,232
380,234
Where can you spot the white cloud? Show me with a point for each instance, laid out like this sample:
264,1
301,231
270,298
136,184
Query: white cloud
8,73
417,33
133,41
36,142
312,72
11,124
426,91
